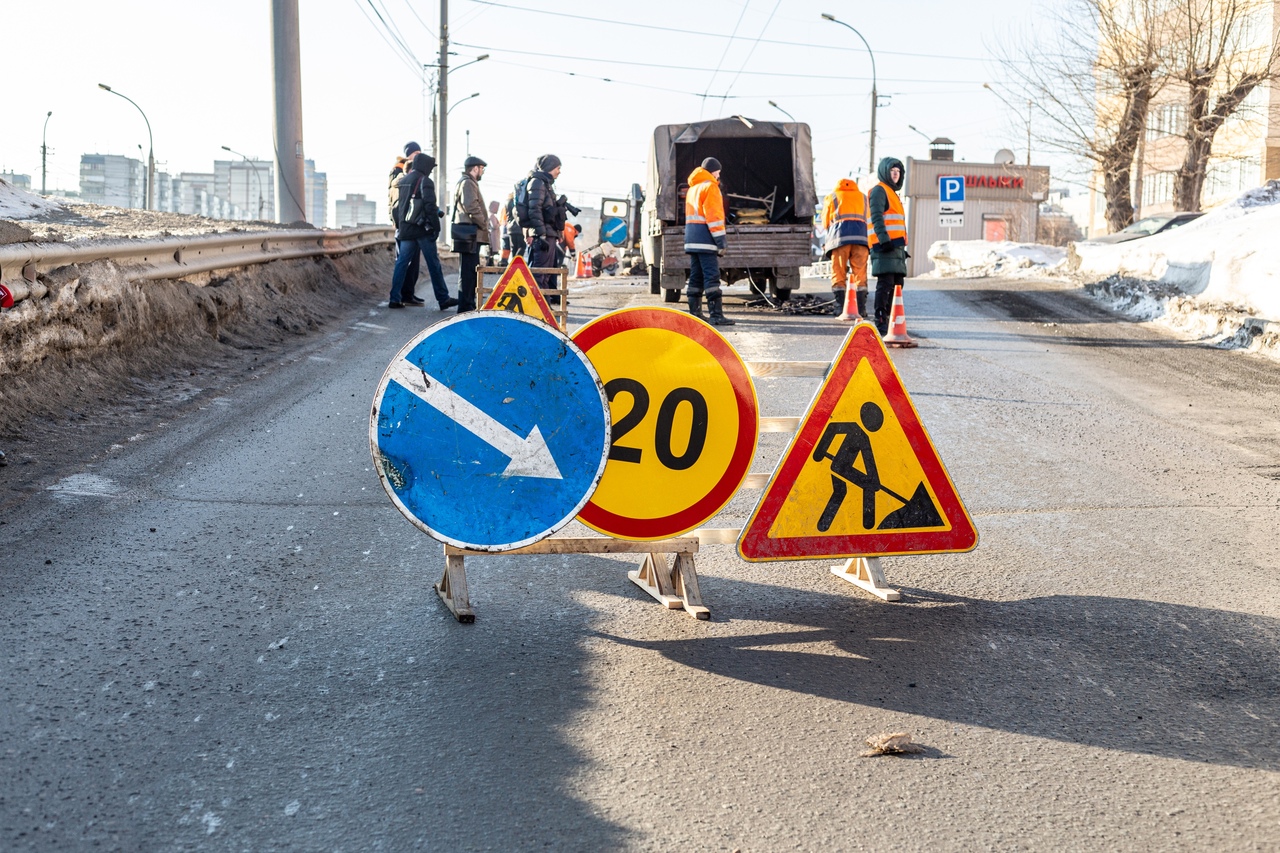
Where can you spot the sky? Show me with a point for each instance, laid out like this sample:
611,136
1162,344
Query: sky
587,82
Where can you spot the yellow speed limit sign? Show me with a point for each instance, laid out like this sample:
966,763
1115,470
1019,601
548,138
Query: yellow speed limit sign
685,421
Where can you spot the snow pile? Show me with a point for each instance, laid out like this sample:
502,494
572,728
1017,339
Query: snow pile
1228,259
982,259
20,204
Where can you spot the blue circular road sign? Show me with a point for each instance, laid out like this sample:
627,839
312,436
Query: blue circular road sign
614,229
490,430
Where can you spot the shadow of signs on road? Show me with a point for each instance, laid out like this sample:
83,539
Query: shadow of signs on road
1137,676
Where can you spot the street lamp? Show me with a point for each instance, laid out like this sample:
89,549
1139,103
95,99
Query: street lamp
875,97
256,178
987,86
927,137
463,101
774,104
44,154
151,152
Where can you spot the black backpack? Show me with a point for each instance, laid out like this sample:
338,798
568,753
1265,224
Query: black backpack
521,201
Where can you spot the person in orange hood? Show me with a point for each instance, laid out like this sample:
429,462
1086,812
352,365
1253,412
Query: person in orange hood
844,217
704,241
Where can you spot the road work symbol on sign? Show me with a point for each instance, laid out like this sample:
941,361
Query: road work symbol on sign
490,430
517,293
861,477
685,421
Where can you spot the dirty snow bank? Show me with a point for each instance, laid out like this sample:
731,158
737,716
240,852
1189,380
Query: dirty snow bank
1227,261
20,204
983,259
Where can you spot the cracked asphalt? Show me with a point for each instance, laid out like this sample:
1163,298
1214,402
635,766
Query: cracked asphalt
222,636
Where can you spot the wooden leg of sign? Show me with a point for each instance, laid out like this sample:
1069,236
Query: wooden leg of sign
452,589
686,582
674,587
865,573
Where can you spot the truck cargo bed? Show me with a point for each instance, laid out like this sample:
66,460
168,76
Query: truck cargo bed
749,246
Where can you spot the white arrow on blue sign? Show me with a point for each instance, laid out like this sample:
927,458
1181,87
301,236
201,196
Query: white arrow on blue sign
614,230
490,430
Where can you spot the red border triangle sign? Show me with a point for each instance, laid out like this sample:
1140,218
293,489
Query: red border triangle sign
861,478
516,291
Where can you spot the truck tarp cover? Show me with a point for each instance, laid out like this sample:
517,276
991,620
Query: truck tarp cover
755,160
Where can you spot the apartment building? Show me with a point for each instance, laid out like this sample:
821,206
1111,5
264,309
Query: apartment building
355,210
112,179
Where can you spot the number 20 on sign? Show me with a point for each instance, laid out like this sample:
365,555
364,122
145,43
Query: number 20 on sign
685,421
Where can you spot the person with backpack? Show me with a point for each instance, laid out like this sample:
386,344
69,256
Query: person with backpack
401,166
538,215
470,220
417,218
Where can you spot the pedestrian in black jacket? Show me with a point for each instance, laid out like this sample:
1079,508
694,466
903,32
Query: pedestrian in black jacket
402,165
538,219
417,218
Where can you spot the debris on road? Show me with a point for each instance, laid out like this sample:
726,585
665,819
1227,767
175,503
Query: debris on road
804,303
891,743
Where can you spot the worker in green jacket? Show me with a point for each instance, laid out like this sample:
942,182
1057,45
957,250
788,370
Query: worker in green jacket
887,236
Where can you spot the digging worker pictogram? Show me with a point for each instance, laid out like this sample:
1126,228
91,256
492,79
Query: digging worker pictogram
917,511
512,301
856,444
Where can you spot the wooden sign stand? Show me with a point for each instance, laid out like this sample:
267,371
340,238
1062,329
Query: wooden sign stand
865,573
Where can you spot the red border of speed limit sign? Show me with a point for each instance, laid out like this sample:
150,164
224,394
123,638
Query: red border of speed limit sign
713,501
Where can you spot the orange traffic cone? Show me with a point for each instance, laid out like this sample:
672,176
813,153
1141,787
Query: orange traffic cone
583,269
898,336
851,305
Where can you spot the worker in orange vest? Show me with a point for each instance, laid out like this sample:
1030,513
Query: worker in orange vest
887,237
844,217
704,242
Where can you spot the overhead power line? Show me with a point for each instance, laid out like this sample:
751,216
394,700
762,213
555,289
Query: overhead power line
668,66
395,49
687,32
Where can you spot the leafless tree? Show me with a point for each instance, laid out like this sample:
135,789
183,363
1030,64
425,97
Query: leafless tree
1219,51
1091,72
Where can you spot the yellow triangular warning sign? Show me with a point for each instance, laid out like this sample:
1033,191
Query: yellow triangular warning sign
517,292
861,478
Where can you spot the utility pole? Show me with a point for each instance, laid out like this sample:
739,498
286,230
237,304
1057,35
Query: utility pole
286,64
44,154
875,95
443,108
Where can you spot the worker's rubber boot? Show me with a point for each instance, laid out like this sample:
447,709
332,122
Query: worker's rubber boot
861,296
838,293
715,304
695,305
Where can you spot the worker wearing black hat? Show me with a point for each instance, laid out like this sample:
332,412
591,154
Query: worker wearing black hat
538,219
704,240
469,230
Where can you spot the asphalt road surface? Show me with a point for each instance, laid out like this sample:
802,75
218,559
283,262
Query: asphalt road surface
222,636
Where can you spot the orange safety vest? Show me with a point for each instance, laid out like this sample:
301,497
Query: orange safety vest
844,217
895,218
704,230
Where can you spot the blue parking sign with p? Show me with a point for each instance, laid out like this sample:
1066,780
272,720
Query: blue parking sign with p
951,188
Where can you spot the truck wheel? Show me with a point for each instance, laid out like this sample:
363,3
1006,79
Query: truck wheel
670,296
782,294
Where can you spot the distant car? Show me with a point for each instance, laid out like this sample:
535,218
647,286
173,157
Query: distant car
1148,226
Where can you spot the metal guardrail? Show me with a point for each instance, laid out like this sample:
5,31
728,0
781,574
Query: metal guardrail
175,257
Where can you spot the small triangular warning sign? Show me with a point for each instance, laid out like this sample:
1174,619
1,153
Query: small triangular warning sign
517,292
861,477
